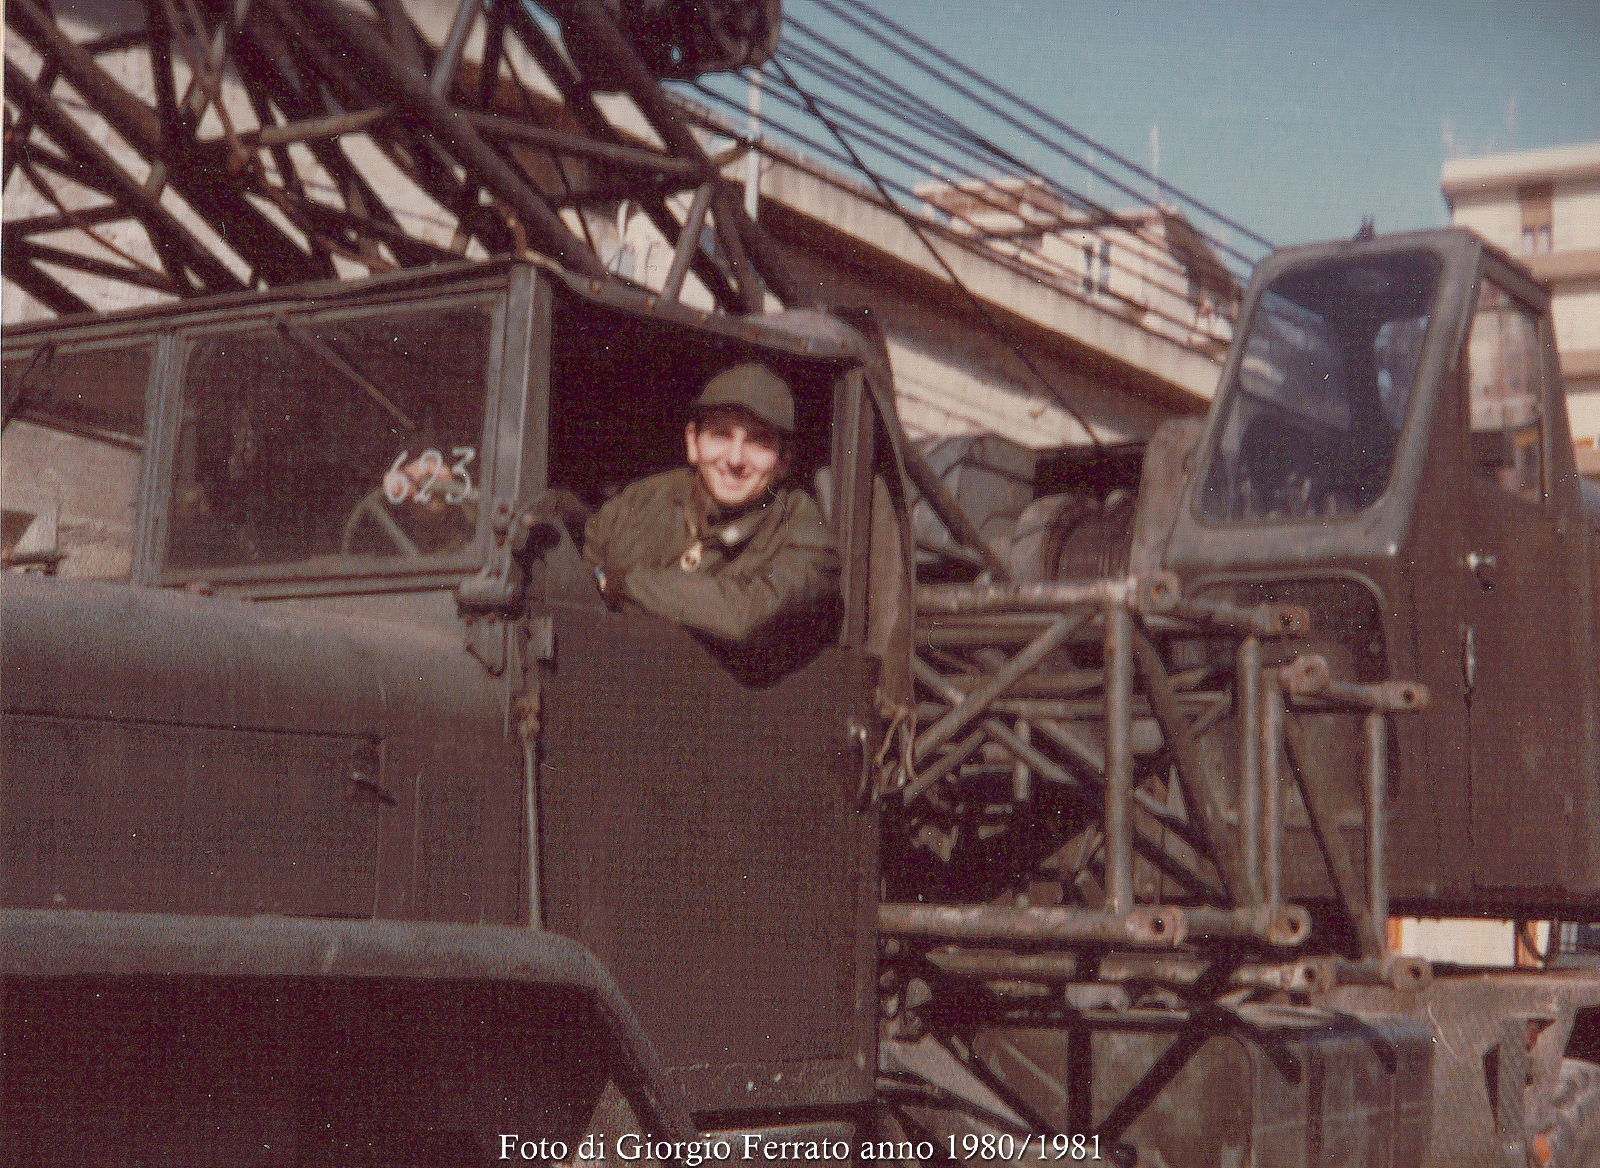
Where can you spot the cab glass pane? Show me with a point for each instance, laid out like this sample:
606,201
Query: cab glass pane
1311,420
1503,360
331,446
70,457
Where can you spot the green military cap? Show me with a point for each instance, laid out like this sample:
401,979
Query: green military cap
753,388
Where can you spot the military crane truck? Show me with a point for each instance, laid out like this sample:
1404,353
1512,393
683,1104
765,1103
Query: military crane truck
341,832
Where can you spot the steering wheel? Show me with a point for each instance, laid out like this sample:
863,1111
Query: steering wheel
373,506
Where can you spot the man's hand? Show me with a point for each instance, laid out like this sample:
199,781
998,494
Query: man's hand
610,589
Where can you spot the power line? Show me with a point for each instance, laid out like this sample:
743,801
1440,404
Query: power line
977,238
917,229
1028,108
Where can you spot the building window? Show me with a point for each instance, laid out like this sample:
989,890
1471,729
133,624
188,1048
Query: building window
1536,203
1105,265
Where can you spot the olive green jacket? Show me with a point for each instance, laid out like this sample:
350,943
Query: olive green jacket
777,559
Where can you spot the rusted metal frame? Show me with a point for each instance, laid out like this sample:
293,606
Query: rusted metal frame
1376,732
1148,925
1021,773
1090,794
966,633
1309,675
1265,620
1060,685
488,77
289,58
763,248
43,224
330,126
1201,787
254,69
630,157
443,73
89,265
409,250
131,118
20,129
1155,852
989,963
116,42
1391,969
854,455
1071,710
1043,596
29,166
402,33
296,57
950,513
1305,976
494,47
590,21
1282,925
42,286
100,171
943,765
262,75
253,236
412,95
1204,1022
1247,679
174,124
1086,754
581,105
1336,856
688,242
35,160
1272,788
1119,758
973,704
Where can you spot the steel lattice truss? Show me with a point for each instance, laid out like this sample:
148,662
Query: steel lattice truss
222,145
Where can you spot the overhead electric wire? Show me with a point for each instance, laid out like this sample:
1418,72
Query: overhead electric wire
1029,130
918,229
1028,108
1017,169
980,239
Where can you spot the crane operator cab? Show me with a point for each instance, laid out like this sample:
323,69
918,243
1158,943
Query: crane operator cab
1390,446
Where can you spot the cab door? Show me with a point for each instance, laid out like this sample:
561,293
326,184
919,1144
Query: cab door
1518,654
702,828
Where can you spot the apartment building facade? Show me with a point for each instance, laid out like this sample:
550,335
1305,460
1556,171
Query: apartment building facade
1543,206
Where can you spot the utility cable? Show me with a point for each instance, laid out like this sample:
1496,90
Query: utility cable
1032,265
1032,111
917,229
1054,123
866,94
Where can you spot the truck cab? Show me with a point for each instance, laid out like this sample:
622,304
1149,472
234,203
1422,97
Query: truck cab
253,696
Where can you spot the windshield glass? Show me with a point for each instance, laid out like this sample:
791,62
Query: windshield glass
1313,414
334,446
70,457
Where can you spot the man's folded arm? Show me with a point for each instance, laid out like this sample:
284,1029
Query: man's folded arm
732,606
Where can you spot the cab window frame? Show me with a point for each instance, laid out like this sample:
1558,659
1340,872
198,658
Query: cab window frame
88,339
269,580
1437,335
1505,280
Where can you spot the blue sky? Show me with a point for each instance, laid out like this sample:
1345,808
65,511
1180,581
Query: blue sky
1295,118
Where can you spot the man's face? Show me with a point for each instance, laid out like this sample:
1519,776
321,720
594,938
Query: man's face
738,457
